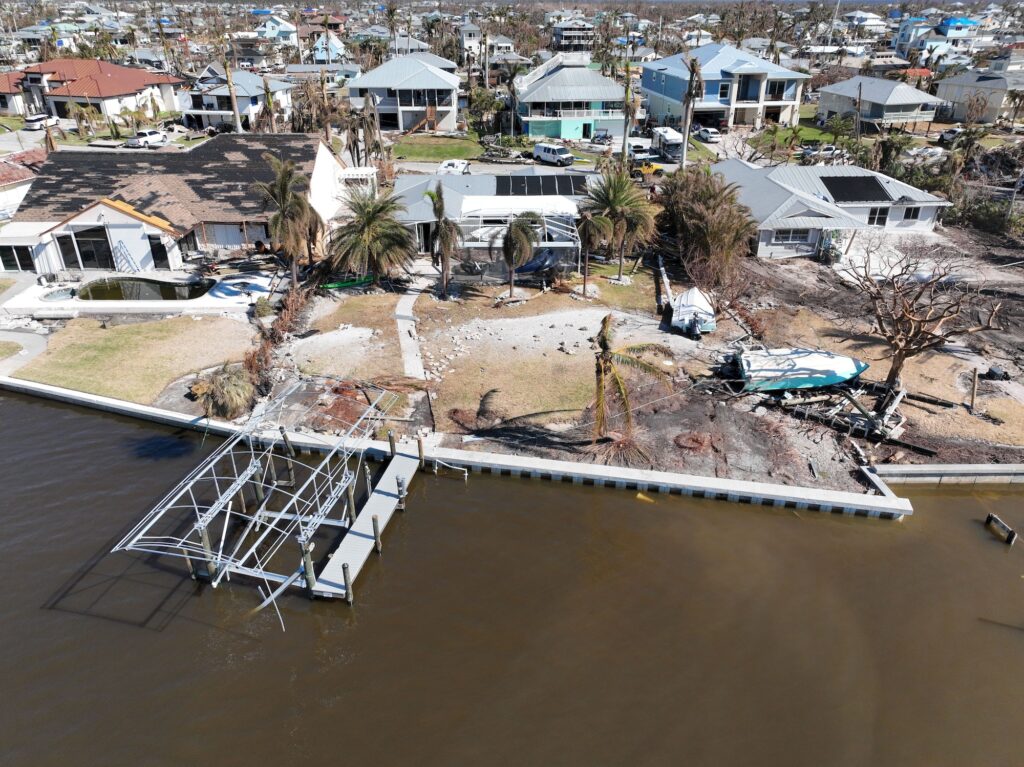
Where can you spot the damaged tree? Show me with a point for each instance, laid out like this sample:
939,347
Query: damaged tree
920,305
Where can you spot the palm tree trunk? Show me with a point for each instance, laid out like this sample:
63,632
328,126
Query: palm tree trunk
511,280
586,270
295,272
622,256
444,275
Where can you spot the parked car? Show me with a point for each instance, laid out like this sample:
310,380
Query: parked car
40,122
926,153
709,135
453,168
824,152
947,137
640,169
146,138
553,154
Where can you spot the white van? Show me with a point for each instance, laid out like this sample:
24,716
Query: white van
553,154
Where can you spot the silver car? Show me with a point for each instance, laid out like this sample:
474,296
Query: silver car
147,138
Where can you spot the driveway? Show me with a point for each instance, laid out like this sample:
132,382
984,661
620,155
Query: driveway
20,140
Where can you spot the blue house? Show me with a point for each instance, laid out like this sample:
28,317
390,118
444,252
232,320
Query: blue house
739,88
564,98
328,49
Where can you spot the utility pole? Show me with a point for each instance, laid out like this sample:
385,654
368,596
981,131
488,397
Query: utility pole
628,109
860,93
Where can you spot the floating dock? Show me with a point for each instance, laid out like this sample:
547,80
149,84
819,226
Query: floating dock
362,537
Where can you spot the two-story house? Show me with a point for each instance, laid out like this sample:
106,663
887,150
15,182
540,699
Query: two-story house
410,94
208,102
995,88
739,88
328,49
564,98
572,35
878,101
274,29
469,41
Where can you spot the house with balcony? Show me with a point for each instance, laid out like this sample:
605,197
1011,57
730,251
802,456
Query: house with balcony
279,31
470,41
956,33
572,35
208,102
410,95
328,49
564,98
740,88
801,209
877,101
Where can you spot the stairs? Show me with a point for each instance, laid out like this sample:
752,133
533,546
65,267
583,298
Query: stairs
429,119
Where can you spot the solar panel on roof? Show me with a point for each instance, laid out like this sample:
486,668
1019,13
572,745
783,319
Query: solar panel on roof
533,186
855,189
548,184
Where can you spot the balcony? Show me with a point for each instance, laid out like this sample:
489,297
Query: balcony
575,114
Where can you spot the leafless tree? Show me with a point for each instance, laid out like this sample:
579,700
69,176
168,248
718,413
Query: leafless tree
921,303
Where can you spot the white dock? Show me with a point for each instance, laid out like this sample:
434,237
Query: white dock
358,543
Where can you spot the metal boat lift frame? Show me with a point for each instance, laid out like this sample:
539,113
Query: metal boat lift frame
207,519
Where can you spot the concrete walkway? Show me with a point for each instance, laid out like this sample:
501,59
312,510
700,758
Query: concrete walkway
32,345
408,338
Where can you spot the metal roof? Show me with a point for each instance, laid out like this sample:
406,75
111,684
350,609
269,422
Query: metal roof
573,84
718,61
433,59
405,72
880,91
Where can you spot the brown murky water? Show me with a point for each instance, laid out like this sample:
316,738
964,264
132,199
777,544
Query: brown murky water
508,623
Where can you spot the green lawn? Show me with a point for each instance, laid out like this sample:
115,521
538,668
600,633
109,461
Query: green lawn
8,349
699,151
423,148
14,123
808,112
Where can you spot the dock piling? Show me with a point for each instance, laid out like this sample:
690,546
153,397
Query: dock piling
400,481
376,533
307,566
349,596
419,444
290,455
369,480
189,565
391,443
351,498
974,389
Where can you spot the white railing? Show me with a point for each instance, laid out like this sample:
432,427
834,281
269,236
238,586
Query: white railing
615,114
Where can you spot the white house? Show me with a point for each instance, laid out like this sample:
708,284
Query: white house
12,100
802,209
138,212
739,88
994,90
410,94
572,35
469,41
564,98
274,29
17,171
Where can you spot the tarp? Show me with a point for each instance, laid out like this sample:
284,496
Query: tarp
546,259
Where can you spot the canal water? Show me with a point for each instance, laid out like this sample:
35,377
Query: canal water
508,622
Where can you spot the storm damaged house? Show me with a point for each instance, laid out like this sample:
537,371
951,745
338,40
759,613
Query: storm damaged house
131,212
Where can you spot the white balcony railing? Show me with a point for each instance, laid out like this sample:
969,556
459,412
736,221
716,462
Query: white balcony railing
603,114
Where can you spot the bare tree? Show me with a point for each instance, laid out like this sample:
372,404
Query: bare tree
920,304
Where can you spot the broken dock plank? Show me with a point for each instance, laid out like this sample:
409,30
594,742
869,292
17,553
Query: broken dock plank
360,540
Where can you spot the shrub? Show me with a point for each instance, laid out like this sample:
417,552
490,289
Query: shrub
225,393
259,364
263,307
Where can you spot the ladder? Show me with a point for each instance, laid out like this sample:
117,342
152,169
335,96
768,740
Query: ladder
123,259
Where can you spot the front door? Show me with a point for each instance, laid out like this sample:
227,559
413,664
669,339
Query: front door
586,130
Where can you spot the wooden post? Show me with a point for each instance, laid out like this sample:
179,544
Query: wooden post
349,596
376,533
369,482
401,493
391,443
974,389
189,565
351,492
288,458
307,566
211,564
419,444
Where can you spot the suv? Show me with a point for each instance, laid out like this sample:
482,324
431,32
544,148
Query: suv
40,122
553,153
948,137
147,138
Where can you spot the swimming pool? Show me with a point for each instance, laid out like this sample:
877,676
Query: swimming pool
133,289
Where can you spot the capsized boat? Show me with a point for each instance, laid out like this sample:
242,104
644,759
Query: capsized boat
782,369
692,313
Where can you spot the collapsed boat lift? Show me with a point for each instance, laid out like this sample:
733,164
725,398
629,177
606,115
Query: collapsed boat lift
258,508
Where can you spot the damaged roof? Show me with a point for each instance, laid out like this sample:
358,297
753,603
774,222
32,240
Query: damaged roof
209,184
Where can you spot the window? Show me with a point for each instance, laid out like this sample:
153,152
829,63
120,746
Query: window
94,248
878,216
791,236
776,90
911,214
254,100
67,251
3,100
17,258
159,251
723,90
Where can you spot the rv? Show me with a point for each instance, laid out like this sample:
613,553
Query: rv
667,142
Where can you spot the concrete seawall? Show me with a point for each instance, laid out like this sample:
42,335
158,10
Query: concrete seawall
885,505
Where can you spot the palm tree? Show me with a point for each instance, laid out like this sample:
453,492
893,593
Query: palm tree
289,225
610,384
618,199
446,237
391,22
1016,100
372,241
517,242
694,91
593,229
839,125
